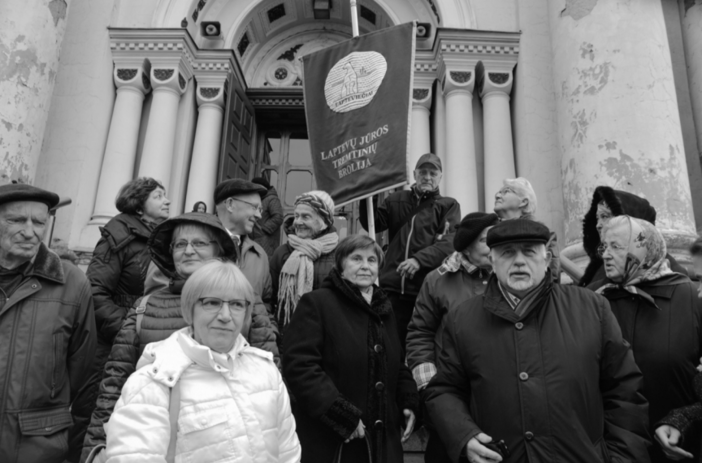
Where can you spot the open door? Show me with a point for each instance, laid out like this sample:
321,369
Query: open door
235,161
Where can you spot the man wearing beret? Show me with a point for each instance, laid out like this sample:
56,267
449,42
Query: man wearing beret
47,336
416,220
539,371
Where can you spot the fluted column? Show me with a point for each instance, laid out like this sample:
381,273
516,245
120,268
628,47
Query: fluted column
132,83
208,135
497,130
421,132
460,169
169,84
692,38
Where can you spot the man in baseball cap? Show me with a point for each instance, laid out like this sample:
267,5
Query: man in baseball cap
47,335
531,367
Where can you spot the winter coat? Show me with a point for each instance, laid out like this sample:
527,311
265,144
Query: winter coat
665,334
441,292
266,232
237,414
687,419
417,237
620,203
47,340
558,383
162,317
342,362
117,271
253,263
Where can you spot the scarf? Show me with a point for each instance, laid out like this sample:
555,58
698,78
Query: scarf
297,274
457,261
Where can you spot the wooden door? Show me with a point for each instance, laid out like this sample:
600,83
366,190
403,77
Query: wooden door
235,161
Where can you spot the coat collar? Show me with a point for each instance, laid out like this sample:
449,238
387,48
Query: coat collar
494,301
47,265
380,304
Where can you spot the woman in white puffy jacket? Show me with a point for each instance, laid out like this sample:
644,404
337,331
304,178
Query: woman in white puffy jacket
227,398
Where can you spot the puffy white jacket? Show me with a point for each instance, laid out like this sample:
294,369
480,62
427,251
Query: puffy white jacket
235,413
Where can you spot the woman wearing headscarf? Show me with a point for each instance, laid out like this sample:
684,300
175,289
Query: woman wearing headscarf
659,315
204,394
343,363
178,246
300,265
463,274
607,203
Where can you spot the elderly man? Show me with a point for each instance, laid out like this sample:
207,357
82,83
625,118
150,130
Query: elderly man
47,336
538,371
416,220
300,265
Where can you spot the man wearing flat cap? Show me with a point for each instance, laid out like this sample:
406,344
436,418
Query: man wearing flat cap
416,220
533,371
47,336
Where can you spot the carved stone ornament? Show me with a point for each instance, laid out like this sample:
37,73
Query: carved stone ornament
209,93
498,78
145,81
125,75
460,77
163,74
181,81
420,94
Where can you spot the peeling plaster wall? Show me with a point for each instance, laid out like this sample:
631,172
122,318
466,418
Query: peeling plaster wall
31,32
79,118
618,118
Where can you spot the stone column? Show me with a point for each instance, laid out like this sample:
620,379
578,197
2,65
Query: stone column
692,38
618,119
208,135
132,83
157,154
460,168
421,132
497,130
440,131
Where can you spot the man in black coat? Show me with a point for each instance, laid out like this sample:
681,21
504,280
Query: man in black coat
539,366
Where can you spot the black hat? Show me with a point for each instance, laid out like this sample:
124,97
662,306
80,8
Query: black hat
21,192
471,227
518,231
429,158
236,186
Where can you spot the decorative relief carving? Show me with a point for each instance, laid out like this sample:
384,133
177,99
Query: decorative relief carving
281,73
434,9
276,12
243,44
196,13
460,77
289,54
298,82
420,93
209,93
145,81
181,81
163,74
125,75
498,77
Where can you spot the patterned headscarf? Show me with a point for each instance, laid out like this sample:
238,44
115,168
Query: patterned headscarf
321,202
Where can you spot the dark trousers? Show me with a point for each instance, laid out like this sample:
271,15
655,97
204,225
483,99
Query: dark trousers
403,306
435,451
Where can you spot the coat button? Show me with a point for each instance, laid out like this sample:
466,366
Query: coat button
34,286
378,424
529,436
155,370
378,348
47,428
523,376
519,325
379,386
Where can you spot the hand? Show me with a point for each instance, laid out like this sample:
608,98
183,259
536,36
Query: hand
408,268
669,437
359,433
478,453
409,424
699,367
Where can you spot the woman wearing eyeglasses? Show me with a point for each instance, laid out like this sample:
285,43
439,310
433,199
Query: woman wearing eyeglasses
178,246
660,316
204,394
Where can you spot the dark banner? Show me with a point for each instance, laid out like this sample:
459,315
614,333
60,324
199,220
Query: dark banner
358,101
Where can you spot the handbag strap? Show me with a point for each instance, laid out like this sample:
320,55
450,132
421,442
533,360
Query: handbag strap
337,458
140,312
174,411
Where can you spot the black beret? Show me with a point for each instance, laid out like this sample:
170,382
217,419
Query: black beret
236,186
21,192
471,227
518,231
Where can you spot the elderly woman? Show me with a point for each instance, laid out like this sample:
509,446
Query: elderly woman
300,265
204,394
344,365
463,274
179,247
659,315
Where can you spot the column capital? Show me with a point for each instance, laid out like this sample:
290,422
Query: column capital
421,97
458,79
210,92
169,75
134,73
496,79
213,69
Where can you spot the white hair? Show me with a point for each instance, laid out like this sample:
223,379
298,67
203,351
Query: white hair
522,187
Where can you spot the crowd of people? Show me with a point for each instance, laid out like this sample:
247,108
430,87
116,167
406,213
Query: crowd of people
202,338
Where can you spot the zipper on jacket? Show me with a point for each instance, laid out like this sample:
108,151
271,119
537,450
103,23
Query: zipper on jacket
409,239
10,357
53,366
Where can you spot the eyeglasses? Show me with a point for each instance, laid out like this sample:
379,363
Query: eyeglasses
256,207
214,304
613,248
197,245
504,191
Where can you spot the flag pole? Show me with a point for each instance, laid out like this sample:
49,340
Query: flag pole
369,200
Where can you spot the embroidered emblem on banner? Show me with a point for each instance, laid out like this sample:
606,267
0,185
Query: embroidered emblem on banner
354,80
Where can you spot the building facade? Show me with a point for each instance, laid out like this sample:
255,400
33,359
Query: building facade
570,94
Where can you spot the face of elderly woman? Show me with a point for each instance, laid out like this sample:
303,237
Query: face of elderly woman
156,206
218,318
191,248
614,248
308,224
361,268
478,252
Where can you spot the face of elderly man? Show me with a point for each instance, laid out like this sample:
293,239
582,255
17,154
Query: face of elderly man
22,227
520,267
